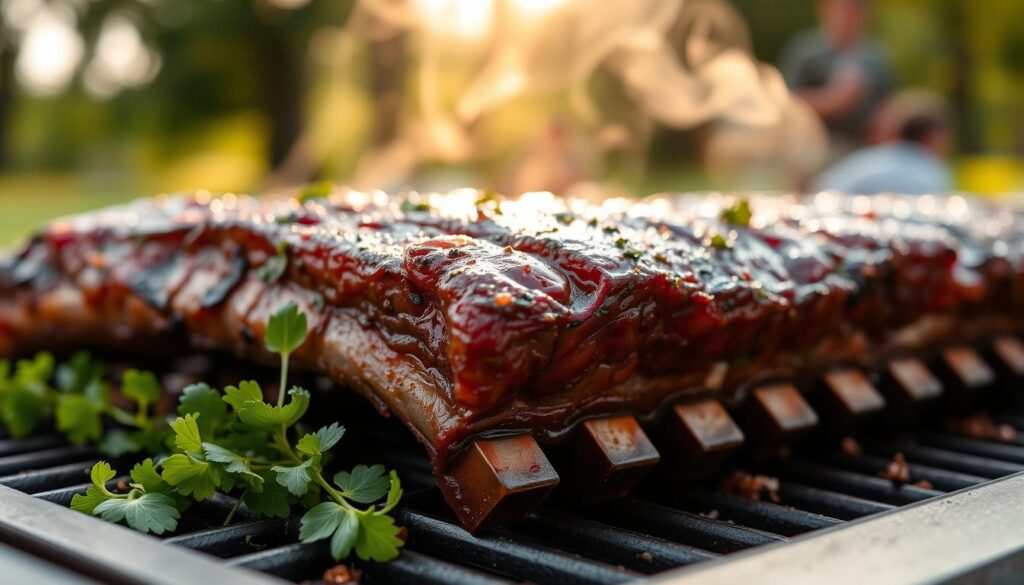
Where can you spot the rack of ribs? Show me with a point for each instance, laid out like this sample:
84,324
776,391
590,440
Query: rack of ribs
490,326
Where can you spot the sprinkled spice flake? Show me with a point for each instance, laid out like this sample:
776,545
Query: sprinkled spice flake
503,299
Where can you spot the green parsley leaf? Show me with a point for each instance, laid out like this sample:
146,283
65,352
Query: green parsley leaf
205,403
88,501
261,415
273,269
246,391
23,404
331,520
154,513
317,190
100,474
363,484
38,369
186,434
272,500
286,330
233,463
146,475
295,478
738,214
78,418
719,241
323,440
191,476
78,373
394,493
141,387
378,538
321,521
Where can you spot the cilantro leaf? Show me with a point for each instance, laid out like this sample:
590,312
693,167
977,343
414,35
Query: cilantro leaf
247,391
363,484
273,269
191,476
154,513
317,190
320,521
78,417
286,330
118,442
394,493
141,387
272,500
78,373
186,434
345,536
88,501
233,463
738,214
24,405
331,520
295,478
378,538
314,444
205,403
100,474
145,474
260,415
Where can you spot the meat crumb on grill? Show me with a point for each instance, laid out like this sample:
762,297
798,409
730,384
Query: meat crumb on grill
646,557
981,426
898,471
342,575
752,487
851,447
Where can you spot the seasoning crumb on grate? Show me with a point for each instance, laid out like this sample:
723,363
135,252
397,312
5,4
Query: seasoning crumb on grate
752,487
982,426
646,557
342,575
851,447
898,471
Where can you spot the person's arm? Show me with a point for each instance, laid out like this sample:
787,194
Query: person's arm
840,96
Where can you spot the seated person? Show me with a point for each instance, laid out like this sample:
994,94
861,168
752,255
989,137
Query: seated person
915,135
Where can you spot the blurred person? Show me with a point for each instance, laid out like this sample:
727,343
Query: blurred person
841,73
914,133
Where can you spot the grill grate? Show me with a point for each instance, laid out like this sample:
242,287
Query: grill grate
650,532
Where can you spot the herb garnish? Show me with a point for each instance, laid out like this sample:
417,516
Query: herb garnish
274,267
235,443
738,214
317,190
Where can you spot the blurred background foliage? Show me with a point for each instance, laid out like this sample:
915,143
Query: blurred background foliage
101,100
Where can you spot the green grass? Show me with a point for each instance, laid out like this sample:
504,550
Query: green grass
29,201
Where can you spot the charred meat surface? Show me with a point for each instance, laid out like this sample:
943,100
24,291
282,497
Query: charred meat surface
466,314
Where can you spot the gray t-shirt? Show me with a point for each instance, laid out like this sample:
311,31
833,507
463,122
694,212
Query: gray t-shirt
810,61
899,167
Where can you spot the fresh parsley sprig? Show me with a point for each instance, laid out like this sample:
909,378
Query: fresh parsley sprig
241,444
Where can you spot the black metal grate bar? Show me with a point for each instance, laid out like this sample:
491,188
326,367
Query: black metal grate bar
238,539
979,447
683,527
828,503
755,514
512,558
50,478
630,549
952,460
941,479
855,484
10,447
44,458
